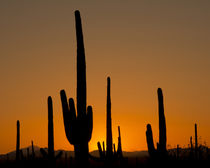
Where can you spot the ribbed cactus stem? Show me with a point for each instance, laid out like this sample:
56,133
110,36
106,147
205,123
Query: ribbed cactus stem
109,122
18,141
81,68
50,129
162,122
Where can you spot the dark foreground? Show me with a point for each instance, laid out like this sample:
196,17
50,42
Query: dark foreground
131,162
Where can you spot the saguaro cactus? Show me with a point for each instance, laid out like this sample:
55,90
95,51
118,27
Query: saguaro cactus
119,148
109,144
196,142
161,146
51,151
18,141
109,154
78,128
162,123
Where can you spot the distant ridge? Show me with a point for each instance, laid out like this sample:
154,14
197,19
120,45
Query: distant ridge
11,155
136,154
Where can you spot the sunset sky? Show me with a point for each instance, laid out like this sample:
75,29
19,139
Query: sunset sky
141,45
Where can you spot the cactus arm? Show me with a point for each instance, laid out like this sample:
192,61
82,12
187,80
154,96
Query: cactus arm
100,150
89,122
150,143
67,117
72,111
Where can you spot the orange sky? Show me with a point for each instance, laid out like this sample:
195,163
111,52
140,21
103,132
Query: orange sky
141,45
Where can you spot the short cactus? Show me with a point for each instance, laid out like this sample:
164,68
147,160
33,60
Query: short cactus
51,153
119,149
196,142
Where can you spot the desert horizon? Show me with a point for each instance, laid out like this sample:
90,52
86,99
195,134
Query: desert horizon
112,77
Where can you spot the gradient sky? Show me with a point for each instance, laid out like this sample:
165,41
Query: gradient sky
141,45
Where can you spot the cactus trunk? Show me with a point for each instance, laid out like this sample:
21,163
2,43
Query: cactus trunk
109,144
162,123
50,129
81,68
196,142
18,141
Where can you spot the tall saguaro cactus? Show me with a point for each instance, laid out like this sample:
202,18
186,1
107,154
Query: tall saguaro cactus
51,152
162,123
18,141
109,144
161,146
78,127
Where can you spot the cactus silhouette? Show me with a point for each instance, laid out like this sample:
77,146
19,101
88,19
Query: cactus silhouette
110,154
161,146
78,128
51,153
109,144
18,141
196,142
32,150
101,152
119,149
